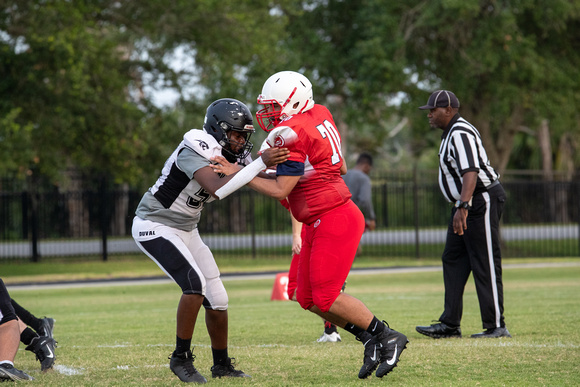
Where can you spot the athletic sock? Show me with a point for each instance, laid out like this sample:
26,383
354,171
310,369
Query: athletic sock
329,328
376,326
357,332
27,335
220,356
26,317
182,345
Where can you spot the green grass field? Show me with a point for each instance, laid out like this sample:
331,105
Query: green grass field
122,335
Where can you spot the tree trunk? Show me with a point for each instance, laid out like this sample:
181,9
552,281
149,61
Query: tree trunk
546,150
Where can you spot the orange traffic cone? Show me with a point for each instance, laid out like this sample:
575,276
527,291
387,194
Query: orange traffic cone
280,289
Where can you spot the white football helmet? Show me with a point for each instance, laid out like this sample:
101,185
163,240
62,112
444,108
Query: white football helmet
284,94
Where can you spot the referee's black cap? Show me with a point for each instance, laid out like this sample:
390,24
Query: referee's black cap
441,98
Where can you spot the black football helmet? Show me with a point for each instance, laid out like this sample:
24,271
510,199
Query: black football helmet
225,115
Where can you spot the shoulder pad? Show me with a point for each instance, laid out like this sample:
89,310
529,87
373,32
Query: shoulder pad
281,136
202,143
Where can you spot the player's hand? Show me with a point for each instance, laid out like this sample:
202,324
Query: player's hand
460,221
371,224
274,156
296,245
224,166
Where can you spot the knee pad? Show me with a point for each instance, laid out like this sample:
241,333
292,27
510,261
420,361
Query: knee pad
191,282
216,297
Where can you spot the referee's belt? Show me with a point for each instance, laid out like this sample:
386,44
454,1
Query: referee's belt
480,190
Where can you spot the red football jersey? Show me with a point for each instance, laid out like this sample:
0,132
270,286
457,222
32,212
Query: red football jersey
315,154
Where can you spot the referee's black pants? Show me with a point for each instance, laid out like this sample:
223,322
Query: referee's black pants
478,251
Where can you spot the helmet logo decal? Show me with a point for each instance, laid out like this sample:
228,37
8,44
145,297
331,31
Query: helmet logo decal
203,145
279,142
289,98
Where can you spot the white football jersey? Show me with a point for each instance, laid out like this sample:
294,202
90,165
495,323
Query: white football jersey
176,199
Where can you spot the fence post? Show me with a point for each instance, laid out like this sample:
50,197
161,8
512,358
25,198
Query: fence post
25,199
103,216
34,226
385,205
578,206
416,211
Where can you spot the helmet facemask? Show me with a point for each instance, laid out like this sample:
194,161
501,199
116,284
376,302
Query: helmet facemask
270,115
228,149
225,116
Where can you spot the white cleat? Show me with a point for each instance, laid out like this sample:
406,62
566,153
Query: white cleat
329,338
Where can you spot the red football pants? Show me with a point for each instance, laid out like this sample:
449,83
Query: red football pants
328,251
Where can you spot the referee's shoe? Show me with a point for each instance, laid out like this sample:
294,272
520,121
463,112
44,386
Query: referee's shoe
492,333
439,331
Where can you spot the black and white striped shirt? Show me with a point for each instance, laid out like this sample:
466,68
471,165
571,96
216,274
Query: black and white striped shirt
462,151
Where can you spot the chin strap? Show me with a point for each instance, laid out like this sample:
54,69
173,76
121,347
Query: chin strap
241,178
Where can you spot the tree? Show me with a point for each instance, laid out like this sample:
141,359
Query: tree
77,77
512,64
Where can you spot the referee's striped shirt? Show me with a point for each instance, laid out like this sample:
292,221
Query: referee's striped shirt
462,151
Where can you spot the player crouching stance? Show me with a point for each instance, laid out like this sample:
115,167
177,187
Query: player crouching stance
165,228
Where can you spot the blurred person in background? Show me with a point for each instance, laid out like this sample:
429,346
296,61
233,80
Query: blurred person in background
359,184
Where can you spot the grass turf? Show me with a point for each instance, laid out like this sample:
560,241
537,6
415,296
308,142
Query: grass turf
122,335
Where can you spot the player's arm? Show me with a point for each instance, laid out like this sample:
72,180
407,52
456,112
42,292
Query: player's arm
278,188
222,165
222,187
343,168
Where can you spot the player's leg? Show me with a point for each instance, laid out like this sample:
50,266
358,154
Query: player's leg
166,247
216,308
334,241
43,326
9,339
43,347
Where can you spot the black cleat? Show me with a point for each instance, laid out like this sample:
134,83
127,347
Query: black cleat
182,366
47,327
227,370
492,333
393,343
372,354
9,373
439,331
43,347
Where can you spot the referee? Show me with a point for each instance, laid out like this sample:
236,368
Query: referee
467,179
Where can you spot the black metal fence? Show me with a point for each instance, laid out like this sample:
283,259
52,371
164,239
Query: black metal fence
541,218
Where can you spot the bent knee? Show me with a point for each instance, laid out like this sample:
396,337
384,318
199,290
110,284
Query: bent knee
216,297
